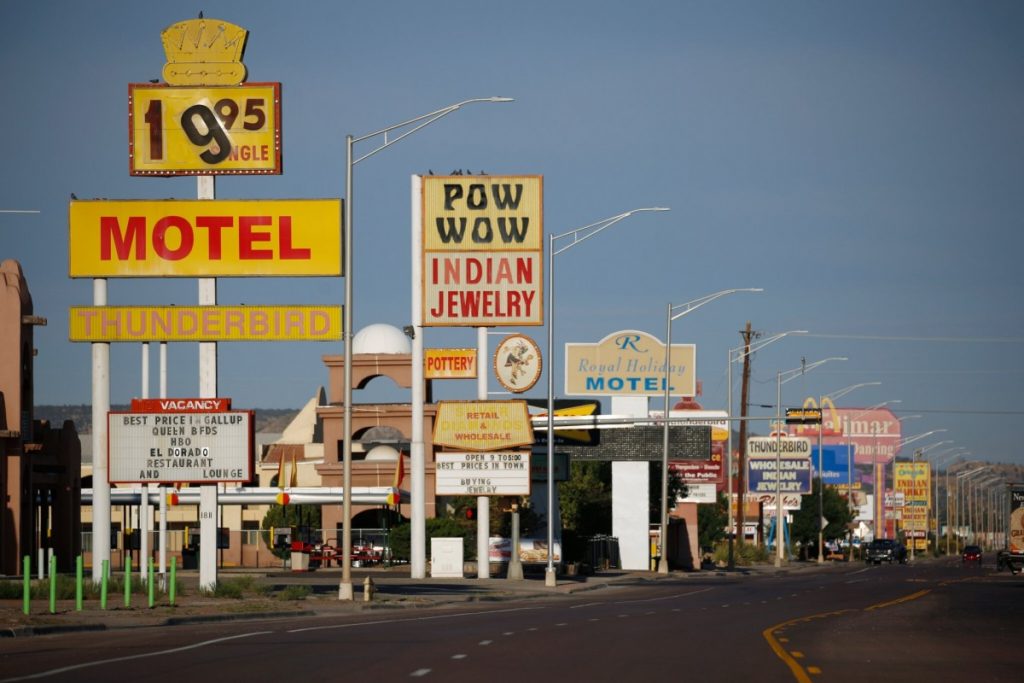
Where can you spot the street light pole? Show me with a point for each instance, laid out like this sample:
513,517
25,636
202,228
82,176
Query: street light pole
688,307
747,351
796,372
412,125
577,236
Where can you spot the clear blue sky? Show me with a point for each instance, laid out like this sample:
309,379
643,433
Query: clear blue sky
862,162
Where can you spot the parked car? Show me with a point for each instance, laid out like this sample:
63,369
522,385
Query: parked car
972,553
885,550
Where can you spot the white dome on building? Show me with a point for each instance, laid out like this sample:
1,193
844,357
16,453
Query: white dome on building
381,338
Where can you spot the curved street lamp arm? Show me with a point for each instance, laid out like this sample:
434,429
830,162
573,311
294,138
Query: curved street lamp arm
426,120
839,393
589,231
691,306
797,372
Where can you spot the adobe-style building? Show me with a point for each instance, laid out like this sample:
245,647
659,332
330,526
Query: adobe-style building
40,467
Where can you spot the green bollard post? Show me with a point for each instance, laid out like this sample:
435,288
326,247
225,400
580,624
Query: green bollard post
26,592
53,584
173,588
78,583
128,581
152,586
104,577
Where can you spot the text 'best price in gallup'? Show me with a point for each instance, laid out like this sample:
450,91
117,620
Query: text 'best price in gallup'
180,447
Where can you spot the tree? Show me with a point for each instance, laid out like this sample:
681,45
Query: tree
805,520
711,522
676,489
301,518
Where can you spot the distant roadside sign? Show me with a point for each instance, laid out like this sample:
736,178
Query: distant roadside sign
792,476
207,130
193,447
769,446
482,474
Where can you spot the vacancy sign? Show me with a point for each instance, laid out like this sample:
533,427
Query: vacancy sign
482,474
483,251
204,238
192,447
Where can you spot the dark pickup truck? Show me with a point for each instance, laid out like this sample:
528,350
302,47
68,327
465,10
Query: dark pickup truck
885,550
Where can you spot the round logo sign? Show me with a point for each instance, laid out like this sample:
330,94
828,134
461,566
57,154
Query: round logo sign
517,363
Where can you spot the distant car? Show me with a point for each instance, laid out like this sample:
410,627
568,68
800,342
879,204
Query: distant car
972,553
885,550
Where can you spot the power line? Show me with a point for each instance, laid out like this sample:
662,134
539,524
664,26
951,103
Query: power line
968,340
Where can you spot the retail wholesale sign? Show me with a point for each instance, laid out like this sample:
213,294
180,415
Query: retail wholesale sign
792,476
210,130
769,446
482,425
193,447
449,363
203,323
483,248
205,238
482,474
629,363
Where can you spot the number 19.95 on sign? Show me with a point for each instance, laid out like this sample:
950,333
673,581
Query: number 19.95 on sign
210,130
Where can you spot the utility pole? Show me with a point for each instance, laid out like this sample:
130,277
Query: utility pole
741,483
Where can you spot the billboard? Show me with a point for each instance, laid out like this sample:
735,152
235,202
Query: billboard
1017,519
482,425
449,363
204,238
483,251
206,130
913,481
193,447
835,464
203,323
874,433
769,446
792,476
482,474
629,363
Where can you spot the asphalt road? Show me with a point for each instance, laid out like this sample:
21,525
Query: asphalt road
935,620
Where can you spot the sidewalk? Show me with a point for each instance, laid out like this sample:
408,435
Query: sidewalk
316,593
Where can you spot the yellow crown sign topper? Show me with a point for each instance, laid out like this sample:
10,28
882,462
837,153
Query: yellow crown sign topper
204,52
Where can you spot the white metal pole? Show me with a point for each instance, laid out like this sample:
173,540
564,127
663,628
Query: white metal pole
728,457
483,503
345,585
780,557
416,447
145,519
100,476
550,577
207,389
663,526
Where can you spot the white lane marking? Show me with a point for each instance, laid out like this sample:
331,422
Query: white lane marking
857,581
459,656
594,619
485,642
85,665
561,624
589,604
532,628
508,633
418,673
664,597
860,571
411,619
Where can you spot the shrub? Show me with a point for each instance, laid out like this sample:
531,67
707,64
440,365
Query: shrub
294,593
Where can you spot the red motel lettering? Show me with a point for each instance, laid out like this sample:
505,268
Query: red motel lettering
174,238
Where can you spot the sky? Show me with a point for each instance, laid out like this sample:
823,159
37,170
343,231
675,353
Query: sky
861,162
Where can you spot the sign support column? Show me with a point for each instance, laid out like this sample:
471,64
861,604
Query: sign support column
207,389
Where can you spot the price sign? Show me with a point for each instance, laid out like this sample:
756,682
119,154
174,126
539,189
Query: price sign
209,130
